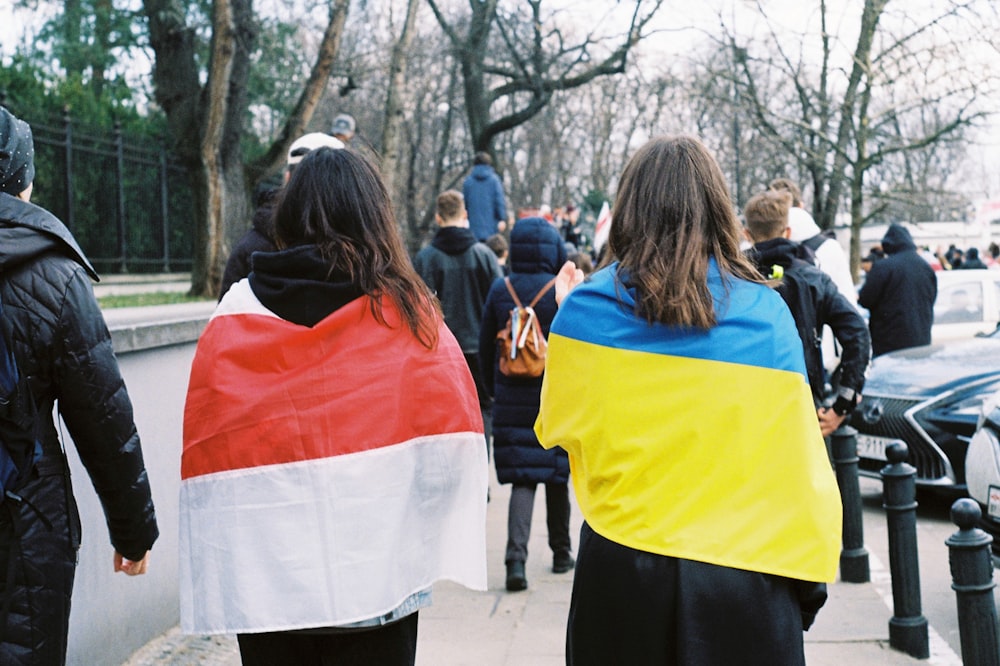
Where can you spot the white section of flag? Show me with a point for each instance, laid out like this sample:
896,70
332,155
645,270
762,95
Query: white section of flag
603,227
331,541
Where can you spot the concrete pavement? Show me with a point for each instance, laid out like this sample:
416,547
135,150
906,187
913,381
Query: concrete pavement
497,628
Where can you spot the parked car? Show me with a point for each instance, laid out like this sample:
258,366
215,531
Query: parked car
968,303
931,399
982,465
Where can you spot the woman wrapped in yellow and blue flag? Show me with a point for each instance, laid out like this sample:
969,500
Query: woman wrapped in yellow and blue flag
676,382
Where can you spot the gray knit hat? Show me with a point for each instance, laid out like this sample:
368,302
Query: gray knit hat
17,154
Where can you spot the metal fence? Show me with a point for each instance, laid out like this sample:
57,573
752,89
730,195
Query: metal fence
127,202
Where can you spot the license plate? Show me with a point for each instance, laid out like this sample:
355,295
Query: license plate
873,448
993,506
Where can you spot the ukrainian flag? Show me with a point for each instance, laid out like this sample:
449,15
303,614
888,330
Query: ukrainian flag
702,445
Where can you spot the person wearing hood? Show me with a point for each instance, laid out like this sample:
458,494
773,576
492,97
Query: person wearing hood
260,236
537,252
829,255
484,198
61,342
814,302
899,293
459,270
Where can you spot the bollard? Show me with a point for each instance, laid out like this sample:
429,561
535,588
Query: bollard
972,579
853,556
908,627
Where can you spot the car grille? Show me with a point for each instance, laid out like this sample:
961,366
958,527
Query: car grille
929,461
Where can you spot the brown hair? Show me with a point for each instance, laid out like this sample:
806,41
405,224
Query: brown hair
767,214
671,214
787,185
336,200
450,205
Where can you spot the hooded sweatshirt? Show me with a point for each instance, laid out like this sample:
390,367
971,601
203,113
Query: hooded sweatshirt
459,271
899,292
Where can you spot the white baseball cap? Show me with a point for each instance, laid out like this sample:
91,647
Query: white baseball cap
301,146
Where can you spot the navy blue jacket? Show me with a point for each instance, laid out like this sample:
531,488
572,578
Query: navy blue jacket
484,201
536,255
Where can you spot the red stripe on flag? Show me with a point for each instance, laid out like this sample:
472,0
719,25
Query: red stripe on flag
265,391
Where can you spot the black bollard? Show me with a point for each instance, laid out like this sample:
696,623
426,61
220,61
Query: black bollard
908,627
853,556
972,580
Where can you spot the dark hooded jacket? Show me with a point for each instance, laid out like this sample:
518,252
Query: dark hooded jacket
537,253
259,238
62,344
815,302
459,270
484,201
899,293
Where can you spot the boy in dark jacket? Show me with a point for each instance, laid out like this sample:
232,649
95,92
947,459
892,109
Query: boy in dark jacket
459,270
814,301
62,344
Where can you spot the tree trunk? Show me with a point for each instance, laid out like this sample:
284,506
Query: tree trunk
394,116
207,122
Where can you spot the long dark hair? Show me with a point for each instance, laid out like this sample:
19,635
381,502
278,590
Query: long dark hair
336,200
671,214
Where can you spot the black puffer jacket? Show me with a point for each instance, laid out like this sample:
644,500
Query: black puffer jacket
62,343
815,302
536,255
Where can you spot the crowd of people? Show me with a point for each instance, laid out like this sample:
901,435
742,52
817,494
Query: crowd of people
346,400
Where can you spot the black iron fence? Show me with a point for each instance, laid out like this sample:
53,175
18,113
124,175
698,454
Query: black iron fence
127,202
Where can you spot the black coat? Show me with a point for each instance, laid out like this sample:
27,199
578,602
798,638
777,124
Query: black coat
62,343
899,292
536,255
815,302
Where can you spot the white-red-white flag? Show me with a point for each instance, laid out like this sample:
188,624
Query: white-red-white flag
603,227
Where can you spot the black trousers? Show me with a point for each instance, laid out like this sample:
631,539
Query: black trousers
520,510
638,608
392,644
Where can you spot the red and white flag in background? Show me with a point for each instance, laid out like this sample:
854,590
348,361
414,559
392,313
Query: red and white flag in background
603,227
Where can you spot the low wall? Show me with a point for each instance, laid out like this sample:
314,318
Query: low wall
113,615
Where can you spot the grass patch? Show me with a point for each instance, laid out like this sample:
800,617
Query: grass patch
151,298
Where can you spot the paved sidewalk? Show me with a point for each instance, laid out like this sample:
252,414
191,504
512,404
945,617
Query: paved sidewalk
497,628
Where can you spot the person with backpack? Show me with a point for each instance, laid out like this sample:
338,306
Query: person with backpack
537,252
814,302
61,344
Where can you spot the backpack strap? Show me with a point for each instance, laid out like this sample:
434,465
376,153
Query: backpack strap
541,292
538,296
513,294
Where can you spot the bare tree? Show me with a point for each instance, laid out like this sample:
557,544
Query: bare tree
510,76
207,120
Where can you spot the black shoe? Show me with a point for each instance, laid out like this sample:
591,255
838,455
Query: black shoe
562,562
516,580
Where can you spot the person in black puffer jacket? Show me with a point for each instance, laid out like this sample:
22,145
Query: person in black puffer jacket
62,344
536,255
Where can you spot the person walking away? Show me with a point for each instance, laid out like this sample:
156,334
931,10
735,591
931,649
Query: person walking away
536,255
61,342
899,294
459,270
333,466
676,382
484,199
814,302
260,236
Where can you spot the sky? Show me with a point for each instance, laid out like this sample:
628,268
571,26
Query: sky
684,24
